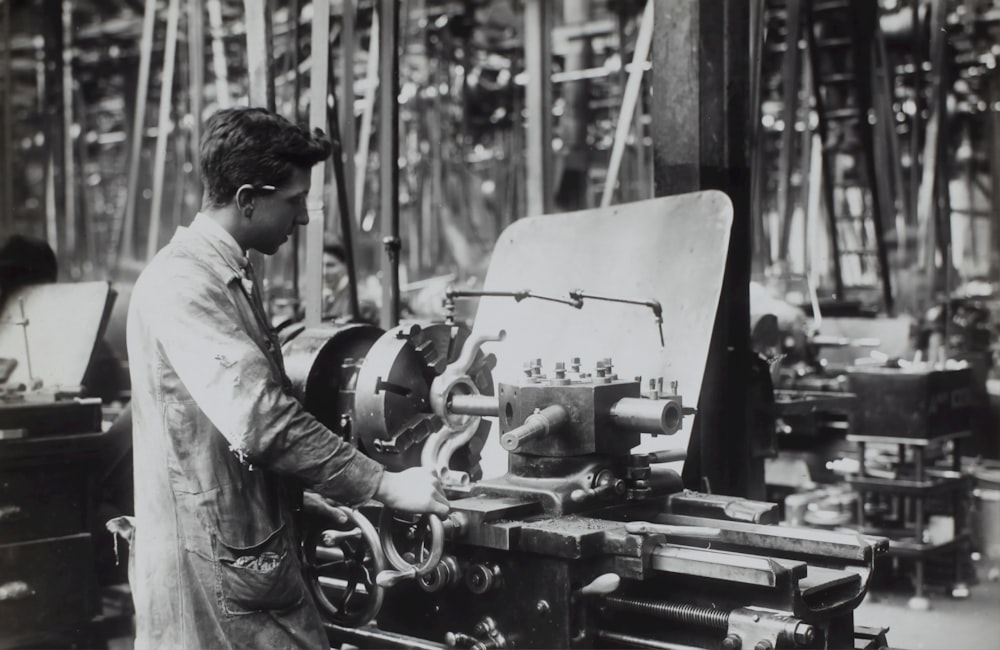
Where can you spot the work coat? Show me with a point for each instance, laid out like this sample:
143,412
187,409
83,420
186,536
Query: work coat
221,449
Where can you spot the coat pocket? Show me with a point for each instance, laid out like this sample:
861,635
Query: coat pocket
259,578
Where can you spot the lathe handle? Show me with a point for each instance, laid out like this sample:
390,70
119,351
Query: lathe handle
602,585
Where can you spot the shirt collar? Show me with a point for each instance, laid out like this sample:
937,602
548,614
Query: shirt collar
222,241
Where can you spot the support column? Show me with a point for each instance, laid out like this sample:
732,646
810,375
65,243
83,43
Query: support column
701,70
388,138
538,98
994,162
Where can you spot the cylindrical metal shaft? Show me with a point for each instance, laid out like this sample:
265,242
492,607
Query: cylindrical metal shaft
537,424
647,415
474,405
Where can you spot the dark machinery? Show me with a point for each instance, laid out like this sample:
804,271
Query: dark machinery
582,543
588,539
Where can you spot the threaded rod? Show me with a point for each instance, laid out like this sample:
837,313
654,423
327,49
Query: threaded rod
693,614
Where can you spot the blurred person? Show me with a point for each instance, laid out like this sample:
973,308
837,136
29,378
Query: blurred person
222,448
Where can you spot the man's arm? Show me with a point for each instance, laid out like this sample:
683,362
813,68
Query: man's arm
197,325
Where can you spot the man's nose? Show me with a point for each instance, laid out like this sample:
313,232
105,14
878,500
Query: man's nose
303,218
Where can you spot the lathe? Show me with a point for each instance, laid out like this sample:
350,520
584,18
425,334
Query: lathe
587,540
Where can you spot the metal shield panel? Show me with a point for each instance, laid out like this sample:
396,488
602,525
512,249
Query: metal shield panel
670,249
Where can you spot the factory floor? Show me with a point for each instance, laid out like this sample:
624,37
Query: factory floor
971,623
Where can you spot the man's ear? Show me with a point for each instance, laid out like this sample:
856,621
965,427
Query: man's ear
244,199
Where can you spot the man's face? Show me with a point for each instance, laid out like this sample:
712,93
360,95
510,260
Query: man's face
277,213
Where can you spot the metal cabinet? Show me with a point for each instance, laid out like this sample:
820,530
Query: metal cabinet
48,587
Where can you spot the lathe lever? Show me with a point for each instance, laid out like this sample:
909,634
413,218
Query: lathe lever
602,585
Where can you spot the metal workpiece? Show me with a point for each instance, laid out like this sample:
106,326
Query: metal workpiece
482,405
720,506
643,415
728,566
542,422
789,539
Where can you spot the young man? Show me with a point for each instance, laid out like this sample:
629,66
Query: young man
222,449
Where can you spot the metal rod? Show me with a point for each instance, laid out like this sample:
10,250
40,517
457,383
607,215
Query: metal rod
388,157
536,425
538,97
680,612
69,163
369,636
618,639
474,405
318,79
27,349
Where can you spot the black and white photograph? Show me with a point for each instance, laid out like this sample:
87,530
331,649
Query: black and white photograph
499,324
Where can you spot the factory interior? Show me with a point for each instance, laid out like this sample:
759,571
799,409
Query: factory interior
662,324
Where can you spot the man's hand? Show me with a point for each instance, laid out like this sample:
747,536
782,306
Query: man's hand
316,506
416,490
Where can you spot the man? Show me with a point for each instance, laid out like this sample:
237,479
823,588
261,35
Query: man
336,292
221,447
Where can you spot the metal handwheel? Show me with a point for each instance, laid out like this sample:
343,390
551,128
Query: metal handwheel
341,565
426,537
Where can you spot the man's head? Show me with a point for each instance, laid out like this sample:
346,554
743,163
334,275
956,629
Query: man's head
334,263
257,163
25,260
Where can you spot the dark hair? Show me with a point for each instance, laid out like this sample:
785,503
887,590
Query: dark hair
26,260
335,248
256,146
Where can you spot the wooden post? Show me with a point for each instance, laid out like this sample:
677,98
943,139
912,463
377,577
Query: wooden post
6,145
790,79
538,97
163,128
260,49
196,67
367,117
701,70
994,162
318,78
629,103
218,54
388,157
348,135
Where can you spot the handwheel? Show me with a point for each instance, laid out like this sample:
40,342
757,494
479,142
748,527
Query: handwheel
342,561
424,539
